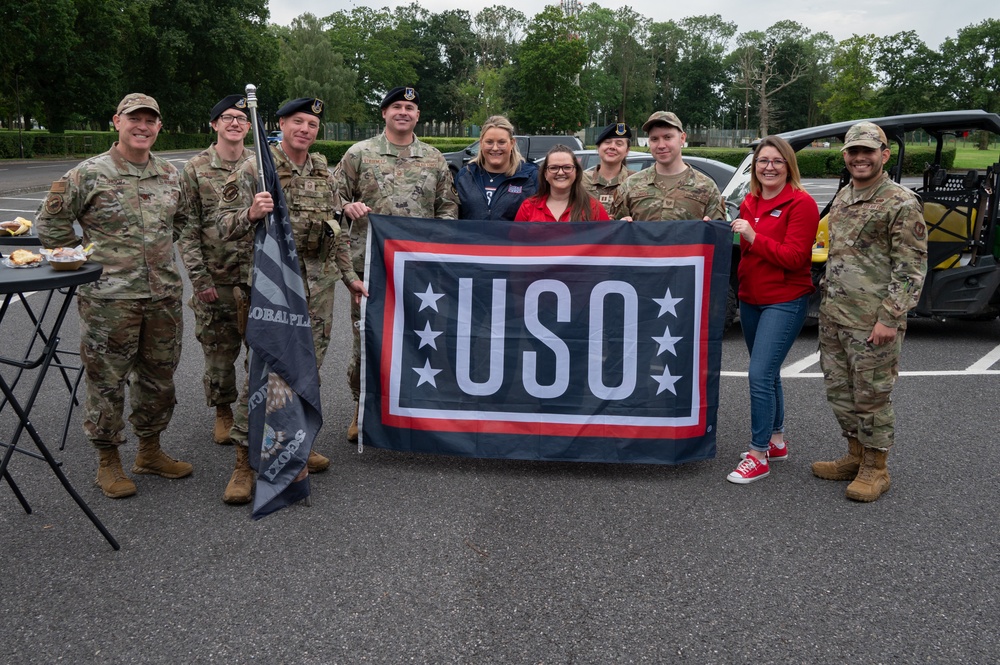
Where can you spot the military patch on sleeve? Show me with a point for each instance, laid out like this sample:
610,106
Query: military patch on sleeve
54,204
919,231
58,187
230,192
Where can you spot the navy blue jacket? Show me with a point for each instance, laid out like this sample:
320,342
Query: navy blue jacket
506,200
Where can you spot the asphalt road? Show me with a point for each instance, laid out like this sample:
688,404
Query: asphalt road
417,558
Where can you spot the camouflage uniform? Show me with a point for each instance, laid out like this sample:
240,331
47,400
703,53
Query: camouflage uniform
312,202
876,267
130,319
601,188
695,196
211,262
412,181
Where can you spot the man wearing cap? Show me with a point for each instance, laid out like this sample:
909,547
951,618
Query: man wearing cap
874,273
217,267
603,180
129,204
670,189
394,173
324,256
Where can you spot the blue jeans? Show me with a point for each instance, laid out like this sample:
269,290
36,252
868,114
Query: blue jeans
769,331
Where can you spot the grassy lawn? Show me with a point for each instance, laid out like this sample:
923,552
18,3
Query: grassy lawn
969,157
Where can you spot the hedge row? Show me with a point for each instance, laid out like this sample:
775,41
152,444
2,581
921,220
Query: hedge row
334,150
80,144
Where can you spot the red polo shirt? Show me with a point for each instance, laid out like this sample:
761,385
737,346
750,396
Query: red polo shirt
534,209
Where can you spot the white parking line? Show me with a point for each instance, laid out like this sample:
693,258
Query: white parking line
20,198
979,368
796,368
32,210
986,361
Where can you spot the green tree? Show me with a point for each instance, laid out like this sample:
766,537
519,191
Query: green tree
972,77
699,72
311,67
852,88
544,88
908,72
499,30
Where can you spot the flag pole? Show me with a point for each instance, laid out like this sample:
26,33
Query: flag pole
251,92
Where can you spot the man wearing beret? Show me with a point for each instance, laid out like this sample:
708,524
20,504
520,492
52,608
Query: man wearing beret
323,253
874,273
392,174
669,189
603,180
215,266
130,205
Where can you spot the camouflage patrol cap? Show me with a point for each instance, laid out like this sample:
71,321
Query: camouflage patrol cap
663,118
310,105
865,134
616,130
134,101
238,102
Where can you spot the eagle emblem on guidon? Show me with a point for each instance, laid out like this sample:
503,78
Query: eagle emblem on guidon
241,103
620,129
409,94
317,106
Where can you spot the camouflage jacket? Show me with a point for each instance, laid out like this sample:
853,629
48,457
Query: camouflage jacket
210,260
131,215
413,181
313,206
694,197
878,256
601,188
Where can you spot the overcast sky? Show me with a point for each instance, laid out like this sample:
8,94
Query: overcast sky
932,20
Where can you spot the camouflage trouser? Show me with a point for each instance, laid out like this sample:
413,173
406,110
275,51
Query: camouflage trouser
216,330
354,366
320,278
859,379
133,341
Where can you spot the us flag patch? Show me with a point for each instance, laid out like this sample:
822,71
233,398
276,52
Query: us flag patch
589,341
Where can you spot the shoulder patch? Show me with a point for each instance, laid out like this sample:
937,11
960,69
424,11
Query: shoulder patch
230,192
54,204
919,231
58,187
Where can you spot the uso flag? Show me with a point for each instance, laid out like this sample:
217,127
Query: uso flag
582,341
284,411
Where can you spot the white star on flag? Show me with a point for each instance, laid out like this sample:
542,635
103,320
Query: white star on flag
666,381
428,299
427,336
427,374
667,303
667,342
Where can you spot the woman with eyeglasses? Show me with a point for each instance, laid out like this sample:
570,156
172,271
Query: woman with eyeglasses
777,227
498,180
561,195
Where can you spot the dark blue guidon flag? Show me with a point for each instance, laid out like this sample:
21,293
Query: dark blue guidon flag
285,413
589,341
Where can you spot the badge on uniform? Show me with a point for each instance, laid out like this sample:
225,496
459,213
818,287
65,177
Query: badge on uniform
620,129
776,213
54,204
241,103
409,94
515,189
230,192
919,231
317,106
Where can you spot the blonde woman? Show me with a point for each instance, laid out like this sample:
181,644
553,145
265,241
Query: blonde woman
498,180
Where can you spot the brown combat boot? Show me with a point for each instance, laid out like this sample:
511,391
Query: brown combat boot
352,430
223,423
152,460
241,484
317,463
111,476
873,477
845,468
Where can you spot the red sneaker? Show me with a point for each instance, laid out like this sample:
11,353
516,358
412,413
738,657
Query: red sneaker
774,453
749,470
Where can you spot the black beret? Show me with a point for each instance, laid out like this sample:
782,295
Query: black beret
616,130
403,92
309,105
238,102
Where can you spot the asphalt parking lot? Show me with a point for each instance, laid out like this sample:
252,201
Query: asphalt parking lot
417,558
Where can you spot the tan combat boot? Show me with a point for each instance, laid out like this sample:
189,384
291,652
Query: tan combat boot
845,468
317,463
223,423
152,460
111,476
352,430
241,484
873,477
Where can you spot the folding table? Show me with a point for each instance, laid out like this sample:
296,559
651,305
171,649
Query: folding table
57,288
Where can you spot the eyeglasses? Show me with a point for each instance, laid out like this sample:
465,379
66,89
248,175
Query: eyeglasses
764,161
566,168
230,119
